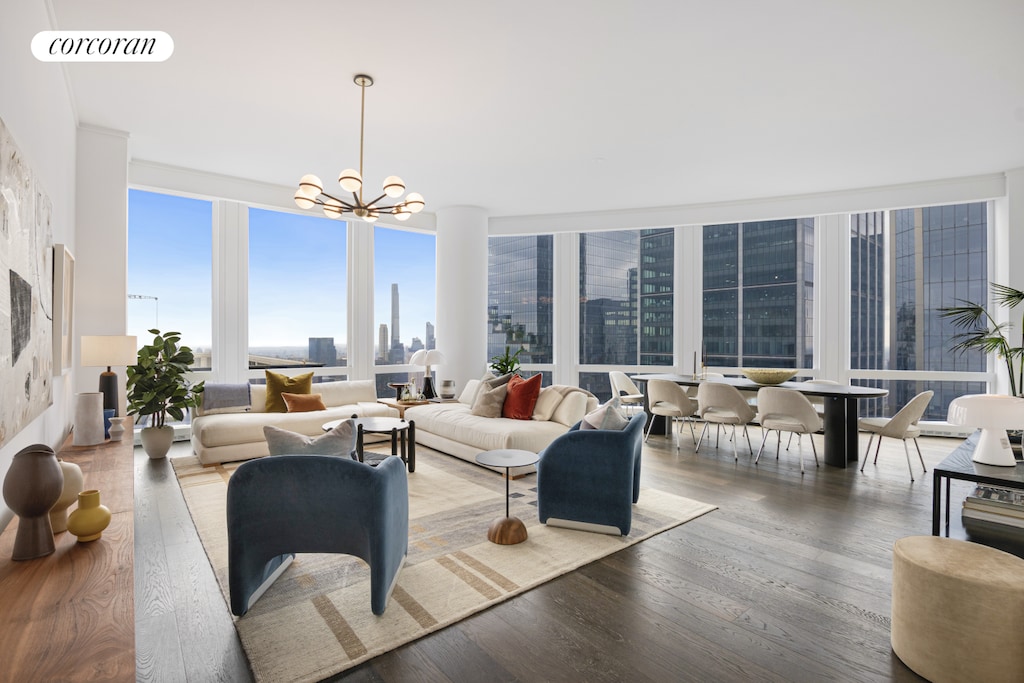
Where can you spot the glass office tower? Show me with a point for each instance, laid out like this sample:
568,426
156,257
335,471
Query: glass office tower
759,293
519,294
933,257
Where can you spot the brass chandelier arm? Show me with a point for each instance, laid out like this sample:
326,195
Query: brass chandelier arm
349,206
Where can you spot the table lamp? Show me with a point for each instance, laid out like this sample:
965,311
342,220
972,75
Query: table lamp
993,414
428,358
109,350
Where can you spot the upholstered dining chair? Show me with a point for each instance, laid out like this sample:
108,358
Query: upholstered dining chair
902,425
668,399
723,404
786,410
285,504
629,394
817,401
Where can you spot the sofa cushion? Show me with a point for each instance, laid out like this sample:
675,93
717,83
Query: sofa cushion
278,383
489,400
468,394
339,441
607,416
303,403
456,422
492,381
521,397
212,431
348,391
547,401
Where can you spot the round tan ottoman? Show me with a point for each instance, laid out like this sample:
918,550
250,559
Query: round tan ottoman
957,610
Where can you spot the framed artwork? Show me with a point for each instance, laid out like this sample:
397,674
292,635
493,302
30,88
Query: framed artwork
26,292
63,307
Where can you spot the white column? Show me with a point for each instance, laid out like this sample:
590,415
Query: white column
361,330
462,293
566,309
832,297
230,291
101,243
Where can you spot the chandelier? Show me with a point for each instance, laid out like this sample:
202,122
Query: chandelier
311,190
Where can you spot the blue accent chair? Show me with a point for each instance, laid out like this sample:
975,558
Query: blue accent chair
281,505
591,476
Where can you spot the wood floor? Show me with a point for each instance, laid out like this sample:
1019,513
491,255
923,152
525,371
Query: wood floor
789,580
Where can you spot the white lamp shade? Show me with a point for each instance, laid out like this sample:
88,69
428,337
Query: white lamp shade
310,186
434,357
109,350
993,414
333,208
414,202
418,357
302,201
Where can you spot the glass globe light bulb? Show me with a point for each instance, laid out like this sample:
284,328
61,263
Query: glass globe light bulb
350,180
302,201
414,202
393,186
333,208
310,186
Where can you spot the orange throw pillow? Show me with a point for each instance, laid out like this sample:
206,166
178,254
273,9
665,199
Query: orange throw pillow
521,397
303,403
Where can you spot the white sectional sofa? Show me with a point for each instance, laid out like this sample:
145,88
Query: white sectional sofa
230,434
453,429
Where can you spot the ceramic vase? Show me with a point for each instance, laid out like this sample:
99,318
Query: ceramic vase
32,485
73,485
447,388
108,413
116,428
90,518
156,441
88,419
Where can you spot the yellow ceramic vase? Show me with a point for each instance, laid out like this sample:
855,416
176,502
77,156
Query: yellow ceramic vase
90,518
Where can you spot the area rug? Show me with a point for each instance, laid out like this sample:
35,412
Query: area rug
315,621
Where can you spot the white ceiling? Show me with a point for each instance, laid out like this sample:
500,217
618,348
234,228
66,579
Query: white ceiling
545,106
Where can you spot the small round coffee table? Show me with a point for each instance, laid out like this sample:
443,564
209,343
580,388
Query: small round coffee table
507,530
396,427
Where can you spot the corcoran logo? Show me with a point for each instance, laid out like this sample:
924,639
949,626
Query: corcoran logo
102,46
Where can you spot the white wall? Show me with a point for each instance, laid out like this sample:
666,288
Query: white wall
36,107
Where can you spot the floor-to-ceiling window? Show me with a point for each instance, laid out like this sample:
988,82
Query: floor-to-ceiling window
626,302
520,273
905,265
404,282
758,302
297,291
170,248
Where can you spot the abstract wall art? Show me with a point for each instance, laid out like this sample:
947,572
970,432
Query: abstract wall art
63,307
26,292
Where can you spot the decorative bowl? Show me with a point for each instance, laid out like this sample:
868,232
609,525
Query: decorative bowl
768,376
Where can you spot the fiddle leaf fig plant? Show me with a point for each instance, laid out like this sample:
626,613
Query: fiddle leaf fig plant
506,362
157,385
981,331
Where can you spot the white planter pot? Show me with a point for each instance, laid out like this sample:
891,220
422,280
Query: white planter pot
88,419
156,441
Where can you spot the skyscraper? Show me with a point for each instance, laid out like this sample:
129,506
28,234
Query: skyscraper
431,341
382,343
322,351
520,274
396,353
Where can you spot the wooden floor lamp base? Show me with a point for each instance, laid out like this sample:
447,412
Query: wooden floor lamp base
507,531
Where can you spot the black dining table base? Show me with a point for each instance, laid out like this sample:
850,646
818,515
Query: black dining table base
841,438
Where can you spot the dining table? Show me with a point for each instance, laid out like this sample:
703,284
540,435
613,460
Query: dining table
840,400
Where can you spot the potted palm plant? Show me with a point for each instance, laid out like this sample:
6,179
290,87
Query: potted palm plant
980,331
507,362
158,386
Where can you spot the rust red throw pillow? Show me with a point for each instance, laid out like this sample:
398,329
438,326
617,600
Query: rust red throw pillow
521,398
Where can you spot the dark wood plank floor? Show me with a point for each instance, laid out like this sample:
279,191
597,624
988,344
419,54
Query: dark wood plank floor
788,581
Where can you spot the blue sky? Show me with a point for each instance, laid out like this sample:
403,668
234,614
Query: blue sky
297,273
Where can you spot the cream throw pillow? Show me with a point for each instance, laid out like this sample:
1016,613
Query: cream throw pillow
547,401
489,400
339,441
571,410
468,395
607,416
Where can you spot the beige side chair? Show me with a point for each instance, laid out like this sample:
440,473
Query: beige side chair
629,394
817,401
902,425
668,399
723,404
786,410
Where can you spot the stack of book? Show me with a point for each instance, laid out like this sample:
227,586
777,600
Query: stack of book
992,509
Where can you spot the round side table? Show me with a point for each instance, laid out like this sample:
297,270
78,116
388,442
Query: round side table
507,530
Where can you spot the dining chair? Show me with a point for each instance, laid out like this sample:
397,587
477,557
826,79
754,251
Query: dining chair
629,394
692,391
668,399
902,425
723,404
817,401
786,410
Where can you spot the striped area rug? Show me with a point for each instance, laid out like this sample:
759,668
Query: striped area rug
315,621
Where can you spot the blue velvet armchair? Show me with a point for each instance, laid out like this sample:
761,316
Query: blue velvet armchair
590,478
286,504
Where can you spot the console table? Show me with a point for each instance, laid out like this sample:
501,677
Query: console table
70,616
